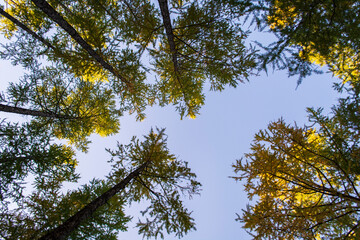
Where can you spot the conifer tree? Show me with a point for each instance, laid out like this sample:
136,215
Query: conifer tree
321,32
306,179
142,171
71,107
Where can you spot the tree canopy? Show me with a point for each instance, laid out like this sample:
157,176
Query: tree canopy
28,150
117,36
86,63
142,171
71,107
321,32
305,179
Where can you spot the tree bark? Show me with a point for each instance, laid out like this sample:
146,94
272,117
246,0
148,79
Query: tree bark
56,17
34,113
171,40
26,29
169,31
64,230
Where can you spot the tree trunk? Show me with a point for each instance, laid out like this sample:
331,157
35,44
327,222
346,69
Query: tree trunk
26,29
56,17
171,40
169,32
35,113
64,230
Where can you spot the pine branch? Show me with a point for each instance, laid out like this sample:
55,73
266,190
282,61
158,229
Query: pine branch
56,17
171,40
26,29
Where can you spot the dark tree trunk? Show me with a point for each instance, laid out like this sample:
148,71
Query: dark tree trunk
171,40
26,29
169,31
56,17
64,230
35,113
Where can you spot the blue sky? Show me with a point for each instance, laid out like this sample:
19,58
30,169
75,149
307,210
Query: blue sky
212,142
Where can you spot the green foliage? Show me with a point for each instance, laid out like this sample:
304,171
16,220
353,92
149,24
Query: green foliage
122,33
27,150
74,108
107,221
162,184
305,179
209,47
322,32
77,96
48,207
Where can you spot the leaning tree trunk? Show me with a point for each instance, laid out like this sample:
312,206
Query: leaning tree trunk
64,230
56,17
26,29
165,13
34,113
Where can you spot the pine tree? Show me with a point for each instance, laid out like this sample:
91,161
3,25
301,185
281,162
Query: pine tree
142,171
305,178
321,32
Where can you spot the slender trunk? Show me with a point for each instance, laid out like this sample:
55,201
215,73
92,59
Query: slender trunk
26,29
15,159
56,17
171,40
64,230
169,31
35,113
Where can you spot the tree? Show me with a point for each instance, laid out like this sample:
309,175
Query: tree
48,206
72,107
27,150
306,179
183,51
206,42
322,32
141,171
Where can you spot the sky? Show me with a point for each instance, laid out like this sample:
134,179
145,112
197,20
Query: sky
211,143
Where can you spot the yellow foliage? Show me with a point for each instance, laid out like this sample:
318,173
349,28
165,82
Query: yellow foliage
310,54
7,27
314,138
282,17
342,61
94,77
306,200
16,8
192,116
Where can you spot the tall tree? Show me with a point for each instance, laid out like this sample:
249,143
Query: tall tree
183,51
204,43
47,206
306,179
322,32
141,171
